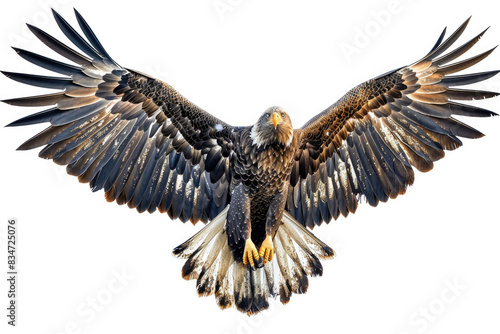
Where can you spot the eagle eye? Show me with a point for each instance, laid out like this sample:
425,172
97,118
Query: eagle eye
268,115
282,114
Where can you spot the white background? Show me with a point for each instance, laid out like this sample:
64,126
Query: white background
393,261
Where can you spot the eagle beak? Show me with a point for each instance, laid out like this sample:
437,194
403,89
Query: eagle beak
276,119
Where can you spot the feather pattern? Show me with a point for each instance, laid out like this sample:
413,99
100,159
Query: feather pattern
372,138
127,133
209,261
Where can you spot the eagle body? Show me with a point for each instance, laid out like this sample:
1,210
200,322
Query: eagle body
262,171
259,189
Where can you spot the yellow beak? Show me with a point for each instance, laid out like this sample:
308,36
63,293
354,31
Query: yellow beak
276,119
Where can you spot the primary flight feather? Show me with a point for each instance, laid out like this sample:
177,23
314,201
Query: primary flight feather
258,187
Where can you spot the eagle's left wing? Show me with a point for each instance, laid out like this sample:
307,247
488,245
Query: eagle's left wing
366,144
125,132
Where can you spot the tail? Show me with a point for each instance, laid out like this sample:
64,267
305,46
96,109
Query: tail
211,263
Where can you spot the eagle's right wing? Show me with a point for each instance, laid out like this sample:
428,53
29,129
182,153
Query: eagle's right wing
367,143
125,132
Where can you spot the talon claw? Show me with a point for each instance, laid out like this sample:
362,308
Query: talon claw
250,254
259,263
267,249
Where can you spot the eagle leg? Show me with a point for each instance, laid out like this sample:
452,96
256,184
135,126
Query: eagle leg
266,250
273,221
239,230
250,253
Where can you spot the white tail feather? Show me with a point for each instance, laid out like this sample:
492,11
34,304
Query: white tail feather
211,263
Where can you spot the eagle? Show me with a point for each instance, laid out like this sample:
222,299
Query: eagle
259,189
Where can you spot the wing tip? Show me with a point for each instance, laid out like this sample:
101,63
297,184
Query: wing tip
77,13
32,28
23,147
466,22
9,101
55,14
15,123
8,74
488,52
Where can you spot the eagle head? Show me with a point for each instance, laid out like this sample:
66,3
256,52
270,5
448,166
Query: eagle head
273,127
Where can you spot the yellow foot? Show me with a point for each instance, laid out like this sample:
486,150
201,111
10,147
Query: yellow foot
266,249
250,253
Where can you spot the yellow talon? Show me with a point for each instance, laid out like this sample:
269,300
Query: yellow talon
250,253
266,250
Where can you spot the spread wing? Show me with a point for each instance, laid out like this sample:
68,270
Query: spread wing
367,143
125,132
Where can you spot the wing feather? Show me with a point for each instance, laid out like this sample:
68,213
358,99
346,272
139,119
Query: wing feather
371,139
125,132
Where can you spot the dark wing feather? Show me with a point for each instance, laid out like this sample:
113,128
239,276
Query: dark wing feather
125,132
366,144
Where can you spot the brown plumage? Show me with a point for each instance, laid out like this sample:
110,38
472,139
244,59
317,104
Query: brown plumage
261,185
